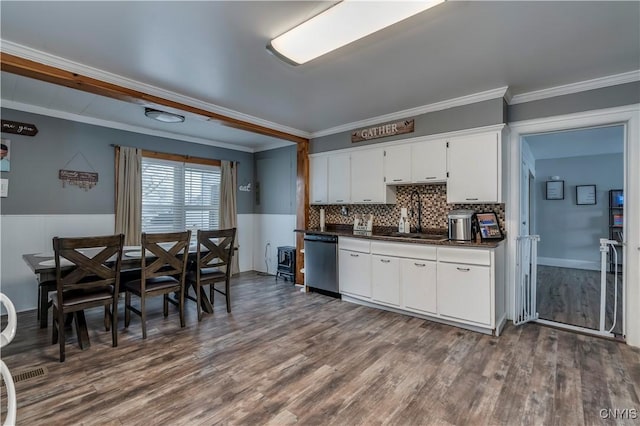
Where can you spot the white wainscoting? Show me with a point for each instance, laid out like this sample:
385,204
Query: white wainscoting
22,234
270,232
245,241
569,263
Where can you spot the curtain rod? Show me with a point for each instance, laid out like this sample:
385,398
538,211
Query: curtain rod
171,153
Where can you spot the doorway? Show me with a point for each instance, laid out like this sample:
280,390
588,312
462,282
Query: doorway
568,185
629,118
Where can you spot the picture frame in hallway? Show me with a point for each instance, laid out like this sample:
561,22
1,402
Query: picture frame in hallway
554,190
585,195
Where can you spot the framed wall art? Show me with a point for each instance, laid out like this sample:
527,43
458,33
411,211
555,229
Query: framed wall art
554,190
585,194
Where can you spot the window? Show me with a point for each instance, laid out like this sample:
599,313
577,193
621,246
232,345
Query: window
177,196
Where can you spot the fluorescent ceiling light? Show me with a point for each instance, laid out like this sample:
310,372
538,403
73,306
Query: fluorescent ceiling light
165,117
344,23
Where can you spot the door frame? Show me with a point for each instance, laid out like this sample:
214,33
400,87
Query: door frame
629,116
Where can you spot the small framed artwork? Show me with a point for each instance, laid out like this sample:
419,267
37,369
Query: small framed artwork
488,226
555,190
585,194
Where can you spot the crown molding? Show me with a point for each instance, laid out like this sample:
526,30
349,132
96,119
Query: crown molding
98,74
438,106
34,109
581,86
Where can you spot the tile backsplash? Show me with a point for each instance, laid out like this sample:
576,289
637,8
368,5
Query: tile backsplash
434,209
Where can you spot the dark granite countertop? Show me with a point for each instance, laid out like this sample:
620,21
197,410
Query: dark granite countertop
382,234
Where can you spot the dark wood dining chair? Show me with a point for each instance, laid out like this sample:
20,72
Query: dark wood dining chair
212,265
162,273
90,281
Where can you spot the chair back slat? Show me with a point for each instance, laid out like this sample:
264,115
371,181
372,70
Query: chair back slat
167,261
219,244
99,270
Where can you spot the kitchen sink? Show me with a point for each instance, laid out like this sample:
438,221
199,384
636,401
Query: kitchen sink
430,237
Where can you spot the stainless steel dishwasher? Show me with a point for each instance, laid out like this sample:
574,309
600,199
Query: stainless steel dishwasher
321,262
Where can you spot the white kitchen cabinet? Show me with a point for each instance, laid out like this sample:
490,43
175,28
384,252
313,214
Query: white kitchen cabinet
339,179
367,176
318,176
355,272
429,161
474,166
354,266
385,282
397,165
418,283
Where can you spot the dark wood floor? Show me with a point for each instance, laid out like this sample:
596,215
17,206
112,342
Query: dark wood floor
283,357
572,296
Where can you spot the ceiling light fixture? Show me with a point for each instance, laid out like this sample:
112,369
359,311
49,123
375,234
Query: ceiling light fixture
165,117
340,25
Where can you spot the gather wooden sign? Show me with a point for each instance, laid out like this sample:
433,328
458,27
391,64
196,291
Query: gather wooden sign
383,130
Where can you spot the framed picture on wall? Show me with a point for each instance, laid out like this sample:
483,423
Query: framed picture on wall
585,194
555,190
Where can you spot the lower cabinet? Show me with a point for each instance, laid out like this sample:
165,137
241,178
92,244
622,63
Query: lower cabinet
418,282
463,286
464,292
385,271
355,272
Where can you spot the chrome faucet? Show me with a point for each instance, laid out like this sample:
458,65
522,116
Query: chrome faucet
419,223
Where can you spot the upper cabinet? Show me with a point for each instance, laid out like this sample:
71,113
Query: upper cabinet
474,166
396,160
339,179
367,176
318,168
429,161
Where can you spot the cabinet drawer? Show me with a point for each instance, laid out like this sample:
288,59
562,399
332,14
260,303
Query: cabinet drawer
465,255
354,244
414,251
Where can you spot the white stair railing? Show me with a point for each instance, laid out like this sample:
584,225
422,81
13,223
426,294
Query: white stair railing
7,336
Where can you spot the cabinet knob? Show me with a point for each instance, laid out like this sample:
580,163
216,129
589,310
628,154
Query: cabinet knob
462,269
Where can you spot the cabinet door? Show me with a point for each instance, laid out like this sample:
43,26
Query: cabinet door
429,161
367,176
473,164
339,179
464,292
318,177
397,165
355,273
385,279
419,285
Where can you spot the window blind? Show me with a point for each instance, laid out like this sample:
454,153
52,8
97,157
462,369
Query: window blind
179,196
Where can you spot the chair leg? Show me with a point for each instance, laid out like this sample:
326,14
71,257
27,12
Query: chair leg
166,305
227,294
43,307
107,318
61,334
114,324
127,312
181,305
198,299
211,292
143,316
55,324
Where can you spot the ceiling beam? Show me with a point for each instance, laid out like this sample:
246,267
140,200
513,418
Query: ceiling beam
36,70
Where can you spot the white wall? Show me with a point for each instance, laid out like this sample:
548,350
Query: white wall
270,232
22,234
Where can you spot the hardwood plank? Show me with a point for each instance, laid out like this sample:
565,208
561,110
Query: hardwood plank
283,357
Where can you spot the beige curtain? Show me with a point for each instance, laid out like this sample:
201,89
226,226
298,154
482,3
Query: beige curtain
129,195
228,207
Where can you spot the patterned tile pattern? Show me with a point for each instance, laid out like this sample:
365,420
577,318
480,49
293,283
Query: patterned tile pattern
434,209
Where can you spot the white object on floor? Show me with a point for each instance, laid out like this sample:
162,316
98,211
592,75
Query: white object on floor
7,336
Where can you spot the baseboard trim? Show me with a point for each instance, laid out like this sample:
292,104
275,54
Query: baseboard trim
569,263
